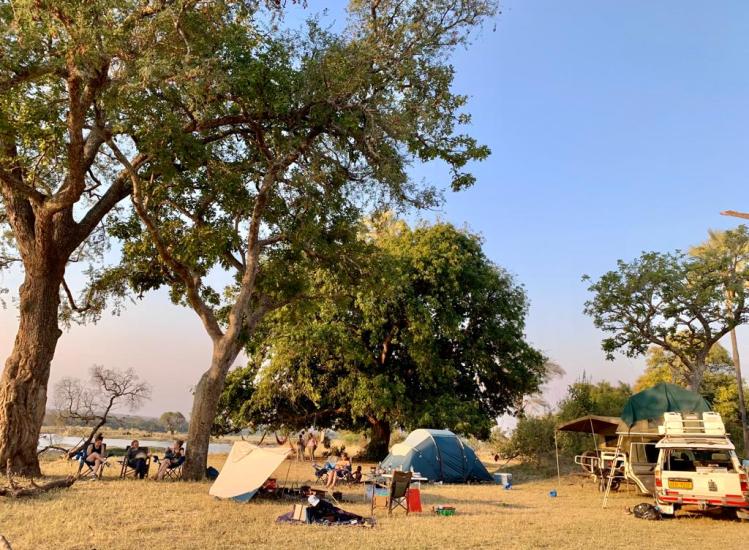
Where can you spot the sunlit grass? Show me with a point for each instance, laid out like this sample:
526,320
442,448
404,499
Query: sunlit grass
130,514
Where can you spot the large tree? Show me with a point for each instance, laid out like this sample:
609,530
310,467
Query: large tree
730,244
674,301
430,334
75,76
329,125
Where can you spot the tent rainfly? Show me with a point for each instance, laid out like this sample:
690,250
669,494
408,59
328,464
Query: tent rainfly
650,404
246,469
438,455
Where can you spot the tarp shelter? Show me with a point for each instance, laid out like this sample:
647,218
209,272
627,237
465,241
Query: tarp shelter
650,404
438,455
246,469
601,425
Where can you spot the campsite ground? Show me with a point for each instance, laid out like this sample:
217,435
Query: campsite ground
127,514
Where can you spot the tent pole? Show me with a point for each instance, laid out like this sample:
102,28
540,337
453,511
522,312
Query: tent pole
556,451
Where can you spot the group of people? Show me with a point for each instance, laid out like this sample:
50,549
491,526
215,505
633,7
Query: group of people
306,440
342,468
136,457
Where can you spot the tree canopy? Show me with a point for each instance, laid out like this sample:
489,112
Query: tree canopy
77,80
323,128
673,300
431,333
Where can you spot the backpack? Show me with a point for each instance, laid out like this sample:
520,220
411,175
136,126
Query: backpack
211,473
646,511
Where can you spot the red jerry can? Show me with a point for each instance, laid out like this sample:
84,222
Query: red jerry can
414,500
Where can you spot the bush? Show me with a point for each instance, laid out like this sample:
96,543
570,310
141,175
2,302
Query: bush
532,439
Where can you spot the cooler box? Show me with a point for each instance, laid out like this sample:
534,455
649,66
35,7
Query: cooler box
414,500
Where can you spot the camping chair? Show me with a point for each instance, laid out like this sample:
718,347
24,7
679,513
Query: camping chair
84,470
129,471
321,473
397,493
175,471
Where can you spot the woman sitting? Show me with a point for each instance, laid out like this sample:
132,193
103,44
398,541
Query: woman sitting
96,455
173,458
137,459
343,464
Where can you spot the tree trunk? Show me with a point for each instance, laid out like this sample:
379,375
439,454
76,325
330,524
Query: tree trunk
204,407
23,388
696,375
379,441
740,384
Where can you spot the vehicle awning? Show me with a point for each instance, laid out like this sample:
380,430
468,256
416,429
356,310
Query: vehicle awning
603,425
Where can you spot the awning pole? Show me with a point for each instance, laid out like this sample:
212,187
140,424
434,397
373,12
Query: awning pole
556,450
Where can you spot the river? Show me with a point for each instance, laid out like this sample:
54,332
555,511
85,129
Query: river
70,441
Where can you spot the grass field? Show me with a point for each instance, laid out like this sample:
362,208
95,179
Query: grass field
124,514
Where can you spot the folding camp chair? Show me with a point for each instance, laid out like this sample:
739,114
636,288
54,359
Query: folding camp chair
397,494
85,470
129,471
173,472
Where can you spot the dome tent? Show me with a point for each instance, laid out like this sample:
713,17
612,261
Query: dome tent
438,455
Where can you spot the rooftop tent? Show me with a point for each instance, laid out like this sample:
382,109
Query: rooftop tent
246,469
438,455
650,404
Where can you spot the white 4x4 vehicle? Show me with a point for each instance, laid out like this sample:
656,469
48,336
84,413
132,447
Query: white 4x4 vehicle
698,468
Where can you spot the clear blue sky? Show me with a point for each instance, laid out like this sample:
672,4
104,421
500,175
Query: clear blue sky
615,127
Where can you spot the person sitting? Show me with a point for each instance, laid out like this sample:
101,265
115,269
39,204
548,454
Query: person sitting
356,476
137,458
343,463
174,456
96,455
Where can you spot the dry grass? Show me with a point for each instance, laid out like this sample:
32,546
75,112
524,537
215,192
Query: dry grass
127,514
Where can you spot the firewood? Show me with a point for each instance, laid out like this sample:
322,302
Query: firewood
15,490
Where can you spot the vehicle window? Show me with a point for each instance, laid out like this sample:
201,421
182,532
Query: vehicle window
690,460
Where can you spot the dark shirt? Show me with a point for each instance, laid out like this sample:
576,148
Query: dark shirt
132,454
102,450
172,456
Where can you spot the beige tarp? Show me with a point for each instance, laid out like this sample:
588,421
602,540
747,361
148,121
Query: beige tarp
246,469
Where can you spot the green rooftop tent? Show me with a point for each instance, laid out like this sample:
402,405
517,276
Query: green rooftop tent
438,455
650,404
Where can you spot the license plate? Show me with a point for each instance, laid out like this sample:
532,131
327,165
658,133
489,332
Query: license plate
680,484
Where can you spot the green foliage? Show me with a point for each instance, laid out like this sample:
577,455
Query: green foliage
319,129
584,398
429,333
674,301
173,421
531,440
718,386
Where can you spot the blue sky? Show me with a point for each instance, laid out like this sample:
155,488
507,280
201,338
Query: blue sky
615,127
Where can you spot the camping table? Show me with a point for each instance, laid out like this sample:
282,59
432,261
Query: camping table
389,478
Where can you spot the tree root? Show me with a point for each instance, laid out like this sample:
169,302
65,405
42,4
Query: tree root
15,490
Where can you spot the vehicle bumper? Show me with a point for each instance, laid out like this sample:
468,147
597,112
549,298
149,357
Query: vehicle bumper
703,502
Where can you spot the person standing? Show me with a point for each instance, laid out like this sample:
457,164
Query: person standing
312,445
300,447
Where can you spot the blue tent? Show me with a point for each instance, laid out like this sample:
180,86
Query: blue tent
438,455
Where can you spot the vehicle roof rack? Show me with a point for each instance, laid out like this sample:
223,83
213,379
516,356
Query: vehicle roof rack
710,424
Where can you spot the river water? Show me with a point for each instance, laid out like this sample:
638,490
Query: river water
70,441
